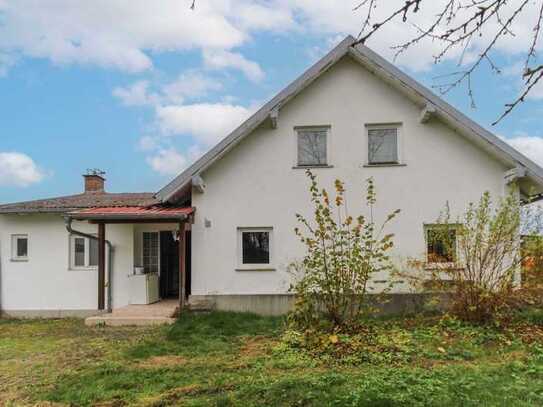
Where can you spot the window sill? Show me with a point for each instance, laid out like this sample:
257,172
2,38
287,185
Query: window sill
310,167
83,268
384,165
19,260
442,266
263,268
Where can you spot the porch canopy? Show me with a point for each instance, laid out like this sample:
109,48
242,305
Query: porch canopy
135,214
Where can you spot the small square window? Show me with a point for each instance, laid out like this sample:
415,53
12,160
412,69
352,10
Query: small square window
440,244
255,246
19,247
312,147
383,145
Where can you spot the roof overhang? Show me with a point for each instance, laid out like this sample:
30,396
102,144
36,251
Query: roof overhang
419,94
155,214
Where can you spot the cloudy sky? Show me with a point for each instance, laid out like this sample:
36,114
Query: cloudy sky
141,88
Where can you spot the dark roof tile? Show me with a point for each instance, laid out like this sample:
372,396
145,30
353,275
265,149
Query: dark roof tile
74,202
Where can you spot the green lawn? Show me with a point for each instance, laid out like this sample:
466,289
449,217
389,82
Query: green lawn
238,359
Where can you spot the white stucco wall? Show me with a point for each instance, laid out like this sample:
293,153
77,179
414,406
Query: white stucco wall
255,184
46,282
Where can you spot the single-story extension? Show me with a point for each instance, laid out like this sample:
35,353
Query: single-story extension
221,233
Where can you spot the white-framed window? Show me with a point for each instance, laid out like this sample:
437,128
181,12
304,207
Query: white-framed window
312,146
441,247
83,252
383,144
150,253
19,247
255,248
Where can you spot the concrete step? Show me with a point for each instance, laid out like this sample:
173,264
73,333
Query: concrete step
200,305
112,320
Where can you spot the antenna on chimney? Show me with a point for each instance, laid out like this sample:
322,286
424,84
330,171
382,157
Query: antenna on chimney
95,171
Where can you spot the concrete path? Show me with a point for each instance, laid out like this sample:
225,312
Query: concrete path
159,313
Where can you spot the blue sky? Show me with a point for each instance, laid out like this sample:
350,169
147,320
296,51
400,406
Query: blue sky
140,89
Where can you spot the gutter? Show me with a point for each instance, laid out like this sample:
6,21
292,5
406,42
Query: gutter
68,223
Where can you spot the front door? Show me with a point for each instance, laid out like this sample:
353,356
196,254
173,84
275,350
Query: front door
169,265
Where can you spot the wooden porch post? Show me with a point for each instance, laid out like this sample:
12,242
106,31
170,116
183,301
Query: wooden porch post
101,265
182,257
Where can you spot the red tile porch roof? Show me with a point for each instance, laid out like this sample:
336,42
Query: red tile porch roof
157,212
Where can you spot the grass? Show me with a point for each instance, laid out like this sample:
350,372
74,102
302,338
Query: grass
229,359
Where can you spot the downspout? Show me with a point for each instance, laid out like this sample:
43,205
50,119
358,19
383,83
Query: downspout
68,223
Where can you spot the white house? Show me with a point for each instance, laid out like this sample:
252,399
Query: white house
351,116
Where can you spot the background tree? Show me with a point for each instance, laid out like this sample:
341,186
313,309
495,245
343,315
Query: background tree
461,27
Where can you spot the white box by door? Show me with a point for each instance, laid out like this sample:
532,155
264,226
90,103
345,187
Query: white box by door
143,288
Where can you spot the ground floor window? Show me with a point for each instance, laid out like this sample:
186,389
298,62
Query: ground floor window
83,252
150,252
255,246
440,244
19,247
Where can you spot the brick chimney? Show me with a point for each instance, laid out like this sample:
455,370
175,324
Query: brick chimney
94,181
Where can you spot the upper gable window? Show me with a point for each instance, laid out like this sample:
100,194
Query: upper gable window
312,146
382,145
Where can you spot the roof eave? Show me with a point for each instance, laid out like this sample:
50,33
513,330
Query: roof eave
127,217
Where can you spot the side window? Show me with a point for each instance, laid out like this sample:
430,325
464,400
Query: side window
312,146
150,252
382,145
255,247
83,252
19,247
440,244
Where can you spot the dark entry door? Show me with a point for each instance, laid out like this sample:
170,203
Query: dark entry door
169,265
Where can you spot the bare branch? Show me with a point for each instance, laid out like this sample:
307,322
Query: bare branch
462,25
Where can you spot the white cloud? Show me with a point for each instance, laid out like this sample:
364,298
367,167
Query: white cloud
531,146
220,59
18,169
189,85
537,91
125,34
170,162
148,143
114,33
206,122
167,162
6,62
135,94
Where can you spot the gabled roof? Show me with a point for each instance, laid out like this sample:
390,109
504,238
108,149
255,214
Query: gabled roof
389,73
80,201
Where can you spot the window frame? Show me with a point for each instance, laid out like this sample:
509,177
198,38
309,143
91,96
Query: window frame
157,233
14,246
87,248
437,264
399,143
297,130
257,266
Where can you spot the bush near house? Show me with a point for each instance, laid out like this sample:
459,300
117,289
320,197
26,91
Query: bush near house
343,254
482,260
